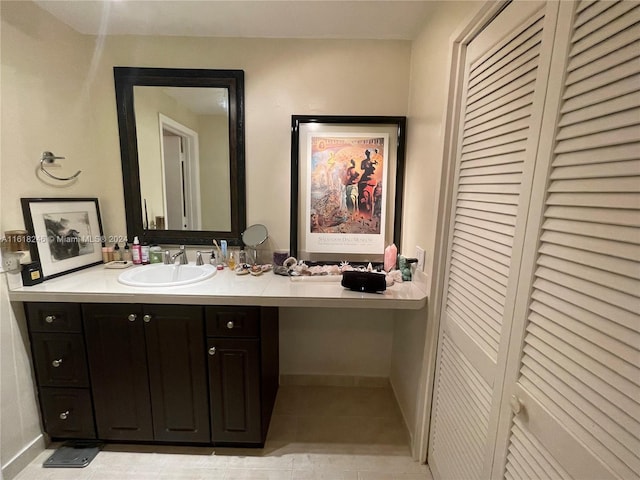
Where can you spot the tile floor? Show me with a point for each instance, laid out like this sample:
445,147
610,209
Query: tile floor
316,433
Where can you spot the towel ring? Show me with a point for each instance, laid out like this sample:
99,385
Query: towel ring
48,157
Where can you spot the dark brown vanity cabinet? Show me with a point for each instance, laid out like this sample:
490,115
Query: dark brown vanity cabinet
242,343
155,373
148,372
59,358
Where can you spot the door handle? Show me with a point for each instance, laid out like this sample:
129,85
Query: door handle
516,404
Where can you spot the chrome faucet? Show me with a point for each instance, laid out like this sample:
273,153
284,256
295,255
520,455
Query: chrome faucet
170,259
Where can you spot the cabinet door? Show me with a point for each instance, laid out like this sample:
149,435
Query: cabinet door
118,369
177,372
234,385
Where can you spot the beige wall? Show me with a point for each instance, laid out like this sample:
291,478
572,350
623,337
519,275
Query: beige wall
215,192
430,61
284,77
57,94
327,341
46,86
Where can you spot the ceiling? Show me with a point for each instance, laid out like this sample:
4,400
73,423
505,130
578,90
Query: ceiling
359,19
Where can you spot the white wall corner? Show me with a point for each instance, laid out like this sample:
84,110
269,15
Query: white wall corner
23,458
403,410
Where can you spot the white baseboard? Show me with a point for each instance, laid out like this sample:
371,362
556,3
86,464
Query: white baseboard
408,431
24,458
335,381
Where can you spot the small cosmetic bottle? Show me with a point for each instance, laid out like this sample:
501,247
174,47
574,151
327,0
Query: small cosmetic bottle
117,254
136,252
126,253
223,247
155,254
144,253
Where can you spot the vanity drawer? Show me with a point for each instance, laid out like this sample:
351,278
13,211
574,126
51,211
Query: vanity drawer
60,359
54,317
67,412
233,321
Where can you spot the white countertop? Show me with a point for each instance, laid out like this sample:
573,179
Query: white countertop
98,284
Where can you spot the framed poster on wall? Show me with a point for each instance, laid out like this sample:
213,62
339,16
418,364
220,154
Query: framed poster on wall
346,187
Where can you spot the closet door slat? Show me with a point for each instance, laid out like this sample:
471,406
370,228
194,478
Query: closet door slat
612,153
618,104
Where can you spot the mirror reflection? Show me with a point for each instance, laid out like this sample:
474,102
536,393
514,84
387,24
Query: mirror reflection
183,154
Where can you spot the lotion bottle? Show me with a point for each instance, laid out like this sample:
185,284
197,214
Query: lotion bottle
126,254
144,253
136,251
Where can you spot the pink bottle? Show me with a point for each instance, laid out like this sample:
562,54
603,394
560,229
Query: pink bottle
390,257
136,251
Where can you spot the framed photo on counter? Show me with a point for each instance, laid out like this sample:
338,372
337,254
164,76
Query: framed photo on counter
65,234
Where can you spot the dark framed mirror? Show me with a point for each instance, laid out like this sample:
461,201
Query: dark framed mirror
182,149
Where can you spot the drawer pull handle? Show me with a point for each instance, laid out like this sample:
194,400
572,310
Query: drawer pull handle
230,324
132,317
147,318
64,415
49,318
57,363
212,351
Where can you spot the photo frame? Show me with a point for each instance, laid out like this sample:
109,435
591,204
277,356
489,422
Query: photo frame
65,234
347,177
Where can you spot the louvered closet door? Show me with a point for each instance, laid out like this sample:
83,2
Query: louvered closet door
506,73
578,385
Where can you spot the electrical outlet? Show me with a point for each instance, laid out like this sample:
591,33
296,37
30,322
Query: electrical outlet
10,263
420,256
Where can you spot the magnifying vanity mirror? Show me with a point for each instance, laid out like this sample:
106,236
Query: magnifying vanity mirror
182,148
252,237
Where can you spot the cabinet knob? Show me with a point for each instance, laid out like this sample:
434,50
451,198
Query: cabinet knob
57,363
132,317
516,404
212,351
49,318
64,415
147,318
230,324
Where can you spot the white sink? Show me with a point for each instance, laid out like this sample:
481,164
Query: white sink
160,275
